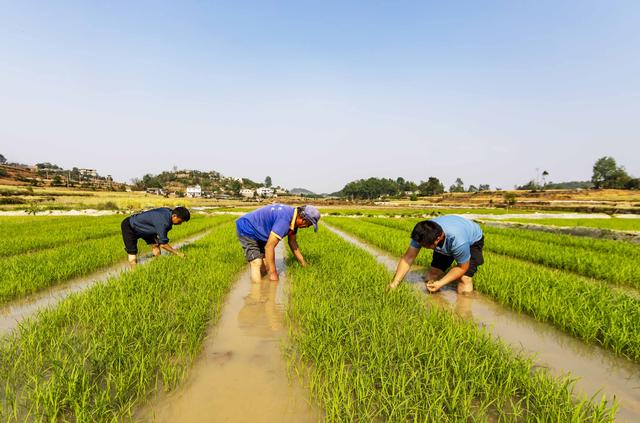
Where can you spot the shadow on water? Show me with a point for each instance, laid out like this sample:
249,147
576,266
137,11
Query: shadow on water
597,371
241,374
11,314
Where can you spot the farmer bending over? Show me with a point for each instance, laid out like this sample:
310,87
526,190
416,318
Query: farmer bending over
453,238
260,231
152,226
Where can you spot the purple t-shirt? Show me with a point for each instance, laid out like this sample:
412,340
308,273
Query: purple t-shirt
258,224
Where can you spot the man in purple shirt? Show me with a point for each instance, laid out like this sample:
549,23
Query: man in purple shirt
452,238
261,230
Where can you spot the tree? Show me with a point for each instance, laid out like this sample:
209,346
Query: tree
432,186
544,178
509,199
607,174
472,188
3,160
483,187
267,182
458,186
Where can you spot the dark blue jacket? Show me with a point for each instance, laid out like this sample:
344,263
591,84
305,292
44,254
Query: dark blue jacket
153,222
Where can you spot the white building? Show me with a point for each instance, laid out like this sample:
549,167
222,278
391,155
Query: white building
265,192
194,191
247,193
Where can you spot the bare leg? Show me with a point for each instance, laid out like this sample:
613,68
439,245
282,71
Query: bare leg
263,268
133,260
465,285
155,250
256,270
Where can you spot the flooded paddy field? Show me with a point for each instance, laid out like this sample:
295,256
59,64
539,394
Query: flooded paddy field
194,339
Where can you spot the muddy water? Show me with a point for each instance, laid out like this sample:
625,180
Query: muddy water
598,371
11,314
240,376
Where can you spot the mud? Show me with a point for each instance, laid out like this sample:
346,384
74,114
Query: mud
11,314
241,375
597,371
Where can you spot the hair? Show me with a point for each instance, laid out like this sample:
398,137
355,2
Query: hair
426,232
301,212
182,213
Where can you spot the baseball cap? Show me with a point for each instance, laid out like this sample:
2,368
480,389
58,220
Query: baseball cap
311,214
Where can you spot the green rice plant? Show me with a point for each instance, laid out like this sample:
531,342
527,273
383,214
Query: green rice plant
578,305
371,356
385,240
21,238
618,224
99,354
618,268
28,273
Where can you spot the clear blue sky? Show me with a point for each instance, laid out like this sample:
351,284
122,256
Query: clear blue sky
316,94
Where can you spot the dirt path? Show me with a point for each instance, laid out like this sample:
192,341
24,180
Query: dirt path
241,374
598,371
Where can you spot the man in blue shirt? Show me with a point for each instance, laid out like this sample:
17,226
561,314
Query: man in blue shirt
152,226
260,231
452,238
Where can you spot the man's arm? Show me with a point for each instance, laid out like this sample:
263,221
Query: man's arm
404,265
293,245
452,275
270,256
172,250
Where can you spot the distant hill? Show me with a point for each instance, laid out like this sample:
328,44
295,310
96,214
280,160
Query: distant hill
298,191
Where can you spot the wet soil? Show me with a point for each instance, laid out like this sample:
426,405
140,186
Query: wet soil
241,374
598,372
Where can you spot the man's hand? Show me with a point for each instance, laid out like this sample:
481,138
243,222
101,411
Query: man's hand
392,286
273,276
433,286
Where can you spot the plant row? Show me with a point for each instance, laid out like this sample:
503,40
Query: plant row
25,238
580,306
97,355
619,224
371,356
26,274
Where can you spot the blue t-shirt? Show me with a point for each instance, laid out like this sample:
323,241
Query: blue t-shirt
153,222
459,235
276,218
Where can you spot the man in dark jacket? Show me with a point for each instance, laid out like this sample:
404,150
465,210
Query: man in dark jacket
152,226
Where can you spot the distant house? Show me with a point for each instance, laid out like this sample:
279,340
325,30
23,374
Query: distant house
281,191
156,191
264,192
88,172
194,191
247,193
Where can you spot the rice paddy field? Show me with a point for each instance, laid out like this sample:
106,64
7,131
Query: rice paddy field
552,333
618,224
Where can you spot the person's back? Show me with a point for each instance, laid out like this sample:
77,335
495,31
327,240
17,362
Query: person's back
459,232
259,223
152,221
